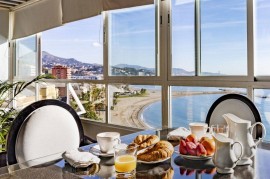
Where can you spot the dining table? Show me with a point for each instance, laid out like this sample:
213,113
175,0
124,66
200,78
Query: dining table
174,167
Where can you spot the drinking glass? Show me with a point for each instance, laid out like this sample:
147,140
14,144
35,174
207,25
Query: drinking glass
222,129
125,160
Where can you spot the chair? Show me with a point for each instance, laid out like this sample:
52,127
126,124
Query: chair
236,104
44,128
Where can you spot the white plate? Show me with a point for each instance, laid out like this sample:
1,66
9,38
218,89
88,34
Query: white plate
153,162
191,157
96,151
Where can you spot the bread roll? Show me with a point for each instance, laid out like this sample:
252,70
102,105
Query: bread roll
160,151
144,141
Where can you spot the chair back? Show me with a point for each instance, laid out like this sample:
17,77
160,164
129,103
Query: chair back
41,129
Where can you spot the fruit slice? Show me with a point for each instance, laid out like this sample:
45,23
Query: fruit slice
191,148
182,147
201,150
191,138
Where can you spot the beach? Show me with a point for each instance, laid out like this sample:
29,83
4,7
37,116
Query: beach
128,110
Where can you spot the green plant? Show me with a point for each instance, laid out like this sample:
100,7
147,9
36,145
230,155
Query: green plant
8,91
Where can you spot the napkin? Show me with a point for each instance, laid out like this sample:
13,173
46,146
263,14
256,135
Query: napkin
80,159
178,133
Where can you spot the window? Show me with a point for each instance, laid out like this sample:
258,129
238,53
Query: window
75,50
132,42
183,30
216,38
135,105
203,46
191,104
262,37
26,57
89,100
223,37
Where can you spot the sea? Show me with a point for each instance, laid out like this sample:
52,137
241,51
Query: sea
194,108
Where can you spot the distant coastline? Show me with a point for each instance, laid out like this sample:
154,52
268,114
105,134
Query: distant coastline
129,111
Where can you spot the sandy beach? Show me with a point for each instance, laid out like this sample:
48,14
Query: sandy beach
128,110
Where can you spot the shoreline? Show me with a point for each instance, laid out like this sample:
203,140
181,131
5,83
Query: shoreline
129,111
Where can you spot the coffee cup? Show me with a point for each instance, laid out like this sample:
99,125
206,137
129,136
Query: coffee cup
107,140
199,129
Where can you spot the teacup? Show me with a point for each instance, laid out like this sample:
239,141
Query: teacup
199,129
107,140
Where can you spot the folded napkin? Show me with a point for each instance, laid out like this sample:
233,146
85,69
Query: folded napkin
178,133
80,159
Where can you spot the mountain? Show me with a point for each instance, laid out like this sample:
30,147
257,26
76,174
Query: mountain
52,60
137,67
49,60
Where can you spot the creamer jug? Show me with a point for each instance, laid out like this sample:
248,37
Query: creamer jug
241,130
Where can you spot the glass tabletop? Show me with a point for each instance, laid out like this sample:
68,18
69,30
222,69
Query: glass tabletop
175,167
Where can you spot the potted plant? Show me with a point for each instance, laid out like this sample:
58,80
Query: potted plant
8,91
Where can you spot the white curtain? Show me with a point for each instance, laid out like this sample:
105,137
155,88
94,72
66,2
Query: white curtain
4,25
37,17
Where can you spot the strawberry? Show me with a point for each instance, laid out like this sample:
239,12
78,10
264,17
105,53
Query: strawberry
191,148
182,147
200,150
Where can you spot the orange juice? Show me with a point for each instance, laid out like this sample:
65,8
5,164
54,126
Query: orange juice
125,163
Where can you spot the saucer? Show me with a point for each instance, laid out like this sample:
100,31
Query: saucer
96,151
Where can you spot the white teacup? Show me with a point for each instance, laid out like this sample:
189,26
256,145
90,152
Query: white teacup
199,129
107,140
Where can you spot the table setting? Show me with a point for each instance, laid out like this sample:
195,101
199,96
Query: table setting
216,151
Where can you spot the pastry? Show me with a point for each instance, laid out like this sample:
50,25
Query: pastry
160,151
144,141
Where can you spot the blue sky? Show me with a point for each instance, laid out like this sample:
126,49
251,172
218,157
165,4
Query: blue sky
223,37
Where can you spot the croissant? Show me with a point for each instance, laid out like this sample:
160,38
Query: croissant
159,151
144,141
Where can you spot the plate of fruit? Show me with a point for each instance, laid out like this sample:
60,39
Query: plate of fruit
193,149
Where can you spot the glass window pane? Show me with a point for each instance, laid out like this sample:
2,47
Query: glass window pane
90,97
191,104
26,97
262,102
4,61
135,105
183,46
132,41
223,37
26,57
262,37
74,50
52,91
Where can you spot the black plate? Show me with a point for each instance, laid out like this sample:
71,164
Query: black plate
236,104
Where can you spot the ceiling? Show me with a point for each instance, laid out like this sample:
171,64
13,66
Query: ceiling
8,4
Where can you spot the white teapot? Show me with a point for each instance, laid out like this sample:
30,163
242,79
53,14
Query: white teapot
224,157
241,130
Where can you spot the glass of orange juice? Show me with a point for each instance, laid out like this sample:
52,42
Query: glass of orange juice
125,160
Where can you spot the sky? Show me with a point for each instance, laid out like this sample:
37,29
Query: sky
132,37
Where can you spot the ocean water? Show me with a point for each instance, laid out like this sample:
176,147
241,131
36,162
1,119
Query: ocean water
194,108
